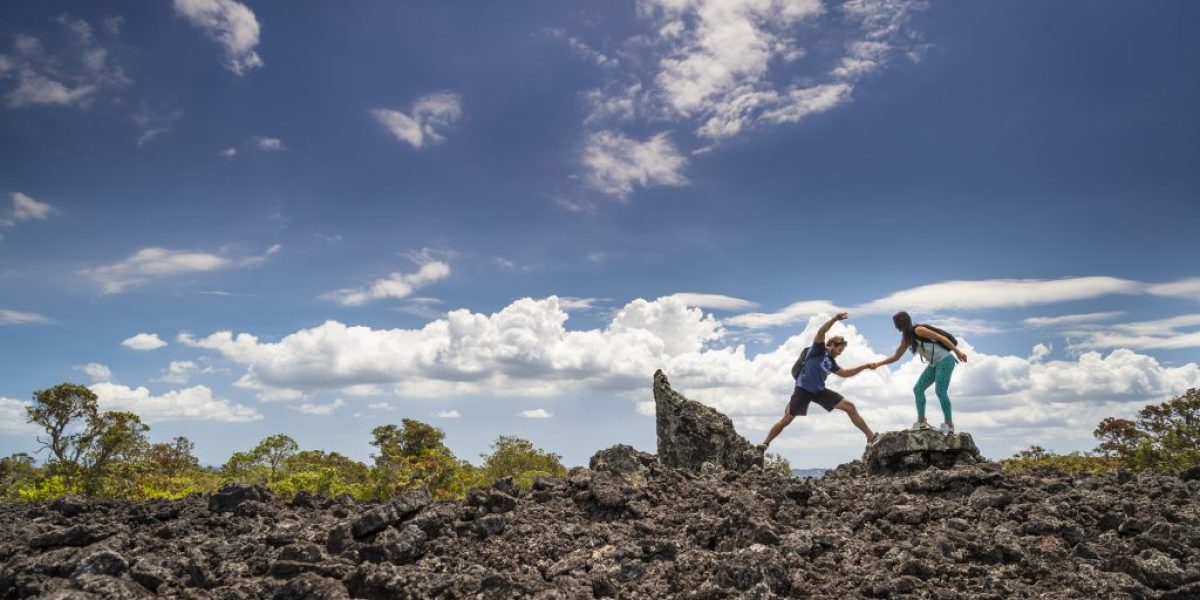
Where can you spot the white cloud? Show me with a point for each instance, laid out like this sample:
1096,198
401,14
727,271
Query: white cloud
328,408
616,163
70,78
1071,319
96,371
1184,288
448,414
16,317
1161,334
714,301
191,404
429,118
1000,293
12,417
144,342
792,313
1039,352
228,152
268,144
229,23
254,262
153,263
959,326
396,285
537,413
25,208
179,371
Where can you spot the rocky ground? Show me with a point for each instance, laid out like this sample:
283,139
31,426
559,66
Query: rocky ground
629,527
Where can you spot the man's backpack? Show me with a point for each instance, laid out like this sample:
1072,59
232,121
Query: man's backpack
953,340
799,366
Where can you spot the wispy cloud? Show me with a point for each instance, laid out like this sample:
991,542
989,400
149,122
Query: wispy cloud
310,408
793,313
1000,293
448,414
228,152
714,301
395,285
1183,288
155,263
70,78
1075,319
96,371
426,121
616,163
16,317
25,208
231,24
537,413
268,144
1174,333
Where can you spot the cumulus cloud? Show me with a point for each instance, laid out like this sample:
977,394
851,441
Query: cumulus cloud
395,285
12,417
231,24
144,342
179,371
426,121
155,263
526,350
616,163
72,77
190,404
16,317
96,371
537,413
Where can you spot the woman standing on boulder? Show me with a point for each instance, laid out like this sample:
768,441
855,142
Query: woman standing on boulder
937,348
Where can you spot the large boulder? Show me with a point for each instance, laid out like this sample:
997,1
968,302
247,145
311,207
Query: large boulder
691,434
622,460
909,451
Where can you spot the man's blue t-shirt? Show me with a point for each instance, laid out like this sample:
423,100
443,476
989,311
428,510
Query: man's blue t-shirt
817,366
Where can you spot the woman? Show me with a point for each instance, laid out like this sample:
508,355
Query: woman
939,351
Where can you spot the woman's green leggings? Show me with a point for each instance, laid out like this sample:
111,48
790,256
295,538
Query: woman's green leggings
941,374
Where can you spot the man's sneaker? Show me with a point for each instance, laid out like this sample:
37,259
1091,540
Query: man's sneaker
919,425
761,449
946,428
874,439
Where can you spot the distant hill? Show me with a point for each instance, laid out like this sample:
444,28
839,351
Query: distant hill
814,473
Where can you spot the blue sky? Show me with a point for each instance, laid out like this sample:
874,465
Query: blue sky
333,217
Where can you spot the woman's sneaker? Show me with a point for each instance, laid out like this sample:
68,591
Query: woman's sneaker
919,425
946,428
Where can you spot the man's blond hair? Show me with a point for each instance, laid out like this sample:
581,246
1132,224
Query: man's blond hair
836,340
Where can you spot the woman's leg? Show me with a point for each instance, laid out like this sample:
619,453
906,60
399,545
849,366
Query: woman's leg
926,380
945,368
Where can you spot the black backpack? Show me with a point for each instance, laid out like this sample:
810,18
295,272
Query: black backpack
953,340
799,366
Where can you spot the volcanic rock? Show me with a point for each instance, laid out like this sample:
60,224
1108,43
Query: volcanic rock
622,460
691,434
908,451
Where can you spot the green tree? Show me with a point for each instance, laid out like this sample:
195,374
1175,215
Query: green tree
1164,437
57,409
274,452
414,456
118,440
517,458
15,470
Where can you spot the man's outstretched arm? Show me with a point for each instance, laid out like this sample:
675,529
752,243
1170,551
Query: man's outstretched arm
820,339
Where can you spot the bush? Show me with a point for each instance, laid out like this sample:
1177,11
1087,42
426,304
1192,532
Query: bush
1035,460
45,489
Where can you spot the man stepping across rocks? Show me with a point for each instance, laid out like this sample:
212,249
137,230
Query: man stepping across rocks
815,364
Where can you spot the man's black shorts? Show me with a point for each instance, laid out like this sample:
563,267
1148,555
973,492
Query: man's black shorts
827,398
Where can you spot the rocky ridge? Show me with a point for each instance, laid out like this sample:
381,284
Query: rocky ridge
631,527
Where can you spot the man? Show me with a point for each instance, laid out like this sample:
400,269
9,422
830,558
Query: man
810,384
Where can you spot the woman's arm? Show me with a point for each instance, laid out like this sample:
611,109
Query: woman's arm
895,355
930,334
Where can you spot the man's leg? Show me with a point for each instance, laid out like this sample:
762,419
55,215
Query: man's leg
776,429
855,418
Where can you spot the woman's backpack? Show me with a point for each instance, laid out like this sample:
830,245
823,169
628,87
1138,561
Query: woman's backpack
953,340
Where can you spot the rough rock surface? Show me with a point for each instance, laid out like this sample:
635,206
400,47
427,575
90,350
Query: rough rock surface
691,434
909,451
966,532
